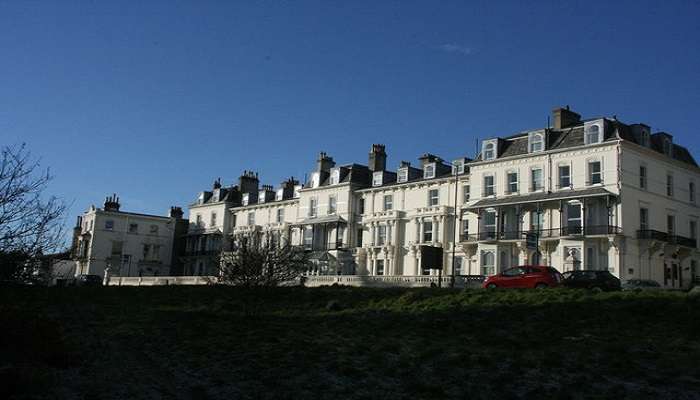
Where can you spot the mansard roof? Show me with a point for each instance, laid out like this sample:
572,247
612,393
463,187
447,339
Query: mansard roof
226,195
679,153
556,139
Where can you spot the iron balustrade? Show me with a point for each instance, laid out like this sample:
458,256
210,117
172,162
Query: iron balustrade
666,237
590,230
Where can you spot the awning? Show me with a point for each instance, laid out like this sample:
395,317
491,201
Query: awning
328,219
541,197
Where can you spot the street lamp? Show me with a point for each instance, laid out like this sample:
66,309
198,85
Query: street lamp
455,238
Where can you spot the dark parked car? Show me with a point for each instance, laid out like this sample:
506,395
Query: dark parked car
640,284
602,280
525,276
89,280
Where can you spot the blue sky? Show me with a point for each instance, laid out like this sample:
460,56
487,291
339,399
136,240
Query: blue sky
154,100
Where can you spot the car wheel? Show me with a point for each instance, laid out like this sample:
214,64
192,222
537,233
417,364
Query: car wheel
491,286
596,289
541,286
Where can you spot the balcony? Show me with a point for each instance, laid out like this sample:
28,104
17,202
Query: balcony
324,247
553,233
590,230
651,234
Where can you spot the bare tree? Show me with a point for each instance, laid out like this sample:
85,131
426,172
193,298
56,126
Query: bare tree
262,265
30,221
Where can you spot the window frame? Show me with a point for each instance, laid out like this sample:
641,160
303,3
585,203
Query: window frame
535,138
380,180
250,218
561,185
643,219
429,170
489,150
334,179
591,174
332,204
533,181
509,184
390,197
643,177
587,134
432,197
426,232
670,185
382,235
280,216
313,207
692,195
402,175
489,188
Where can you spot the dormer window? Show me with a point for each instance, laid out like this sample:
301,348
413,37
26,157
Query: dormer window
403,175
667,147
279,194
536,142
378,178
297,188
644,139
245,199
200,199
335,176
315,179
261,196
429,171
458,167
593,134
489,150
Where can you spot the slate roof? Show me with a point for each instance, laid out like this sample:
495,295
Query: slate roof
517,144
541,197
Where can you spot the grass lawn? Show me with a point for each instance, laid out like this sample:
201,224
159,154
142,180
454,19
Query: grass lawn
337,343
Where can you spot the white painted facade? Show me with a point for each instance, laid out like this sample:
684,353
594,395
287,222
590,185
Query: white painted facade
575,185
130,244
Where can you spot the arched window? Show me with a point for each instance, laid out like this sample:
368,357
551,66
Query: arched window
592,134
536,142
489,151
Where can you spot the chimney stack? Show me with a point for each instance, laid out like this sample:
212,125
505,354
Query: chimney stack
112,203
564,118
428,158
324,163
217,183
377,158
248,182
175,212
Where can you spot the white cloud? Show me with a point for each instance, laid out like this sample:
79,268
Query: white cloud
456,49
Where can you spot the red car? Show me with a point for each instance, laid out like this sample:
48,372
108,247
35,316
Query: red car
525,276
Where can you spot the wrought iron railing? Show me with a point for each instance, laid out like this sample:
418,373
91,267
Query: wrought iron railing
666,237
589,230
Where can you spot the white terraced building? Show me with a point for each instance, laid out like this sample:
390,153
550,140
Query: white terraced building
598,194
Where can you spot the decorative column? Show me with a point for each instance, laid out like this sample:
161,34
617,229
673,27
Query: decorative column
613,257
420,230
433,219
